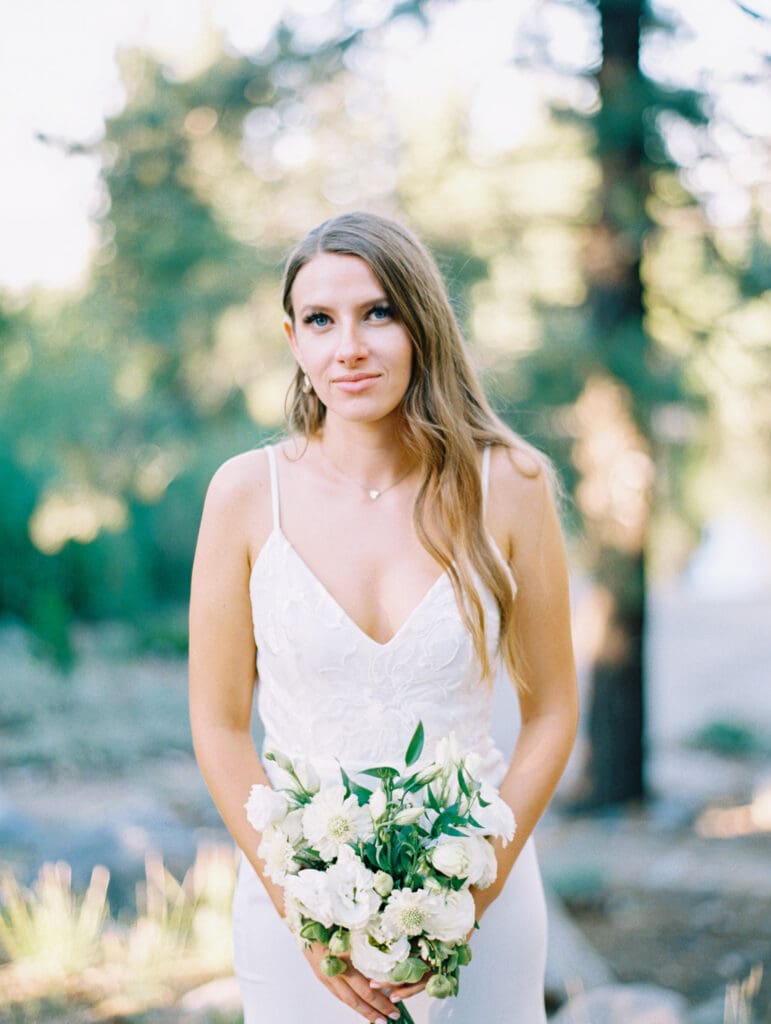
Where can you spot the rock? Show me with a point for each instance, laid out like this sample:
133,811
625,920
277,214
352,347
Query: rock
572,963
625,1004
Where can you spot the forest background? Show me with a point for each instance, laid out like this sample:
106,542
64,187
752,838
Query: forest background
593,178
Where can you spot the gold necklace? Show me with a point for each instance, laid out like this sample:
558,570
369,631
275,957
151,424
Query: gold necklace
373,492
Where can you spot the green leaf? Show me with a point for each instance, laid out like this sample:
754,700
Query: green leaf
381,773
415,748
360,792
462,783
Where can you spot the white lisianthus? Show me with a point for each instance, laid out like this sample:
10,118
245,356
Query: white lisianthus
374,955
307,775
408,815
265,806
278,853
331,821
451,915
377,804
310,891
448,753
352,892
408,912
473,764
466,857
489,871
497,819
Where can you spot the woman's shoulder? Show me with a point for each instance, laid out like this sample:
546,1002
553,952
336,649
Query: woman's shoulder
521,492
239,492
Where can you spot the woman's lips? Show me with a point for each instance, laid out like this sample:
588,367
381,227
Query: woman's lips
355,384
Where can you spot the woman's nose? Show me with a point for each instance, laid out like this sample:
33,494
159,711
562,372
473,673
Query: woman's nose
351,341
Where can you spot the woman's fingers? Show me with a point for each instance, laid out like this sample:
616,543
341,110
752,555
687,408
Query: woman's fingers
369,996
405,991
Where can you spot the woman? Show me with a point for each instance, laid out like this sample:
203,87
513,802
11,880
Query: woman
371,561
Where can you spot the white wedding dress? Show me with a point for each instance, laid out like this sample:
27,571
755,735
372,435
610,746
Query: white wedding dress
329,691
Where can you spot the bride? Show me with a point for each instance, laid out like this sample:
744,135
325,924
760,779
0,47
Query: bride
380,565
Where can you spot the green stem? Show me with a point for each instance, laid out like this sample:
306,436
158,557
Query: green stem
405,1017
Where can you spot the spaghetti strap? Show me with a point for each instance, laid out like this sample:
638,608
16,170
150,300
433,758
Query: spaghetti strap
485,474
271,453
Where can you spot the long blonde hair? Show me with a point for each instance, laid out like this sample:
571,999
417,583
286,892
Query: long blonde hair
446,417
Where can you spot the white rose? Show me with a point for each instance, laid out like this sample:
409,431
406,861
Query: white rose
351,888
265,806
373,955
451,916
497,819
310,891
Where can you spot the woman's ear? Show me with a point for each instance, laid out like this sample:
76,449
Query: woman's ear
291,338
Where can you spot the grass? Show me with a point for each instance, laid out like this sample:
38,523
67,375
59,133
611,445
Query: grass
64,946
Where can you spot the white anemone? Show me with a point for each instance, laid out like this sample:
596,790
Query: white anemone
331,821
408,912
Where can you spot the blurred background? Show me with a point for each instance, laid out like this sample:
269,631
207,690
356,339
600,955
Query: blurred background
593,177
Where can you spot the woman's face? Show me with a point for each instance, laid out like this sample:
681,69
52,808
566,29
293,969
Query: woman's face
347,339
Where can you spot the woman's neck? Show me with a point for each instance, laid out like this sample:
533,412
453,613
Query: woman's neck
372,455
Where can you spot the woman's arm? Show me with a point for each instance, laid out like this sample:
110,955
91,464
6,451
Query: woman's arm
222,675
222,651
522,503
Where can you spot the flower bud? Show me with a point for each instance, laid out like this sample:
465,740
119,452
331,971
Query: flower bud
340,942
383,884
408,815
464,954
408,971
307,775
280,759
377,804
427,774
313,931
332,966
439,986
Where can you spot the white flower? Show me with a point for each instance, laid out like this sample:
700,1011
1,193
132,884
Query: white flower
408,815
489,872
265,806
278,853
408,912
465,857
451,915
377,804
351,888
374,955
310,891
447,752
292,826
331,821
307,775
497,819
473,764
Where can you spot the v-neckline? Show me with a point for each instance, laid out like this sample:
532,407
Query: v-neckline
336,604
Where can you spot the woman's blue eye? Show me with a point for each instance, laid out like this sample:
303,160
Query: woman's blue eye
381,312
316,318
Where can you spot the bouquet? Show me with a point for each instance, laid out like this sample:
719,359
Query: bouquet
381,872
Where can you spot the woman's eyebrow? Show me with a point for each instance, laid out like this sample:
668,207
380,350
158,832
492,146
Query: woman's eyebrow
320,307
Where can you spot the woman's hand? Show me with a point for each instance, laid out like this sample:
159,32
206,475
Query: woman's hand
352,988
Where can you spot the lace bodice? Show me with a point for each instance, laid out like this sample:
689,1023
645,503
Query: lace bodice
328,690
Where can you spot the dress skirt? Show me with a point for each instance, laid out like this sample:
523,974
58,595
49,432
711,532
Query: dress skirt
503,984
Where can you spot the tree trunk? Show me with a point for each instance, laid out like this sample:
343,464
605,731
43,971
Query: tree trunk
612,452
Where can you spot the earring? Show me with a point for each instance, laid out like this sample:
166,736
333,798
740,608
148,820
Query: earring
307,386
